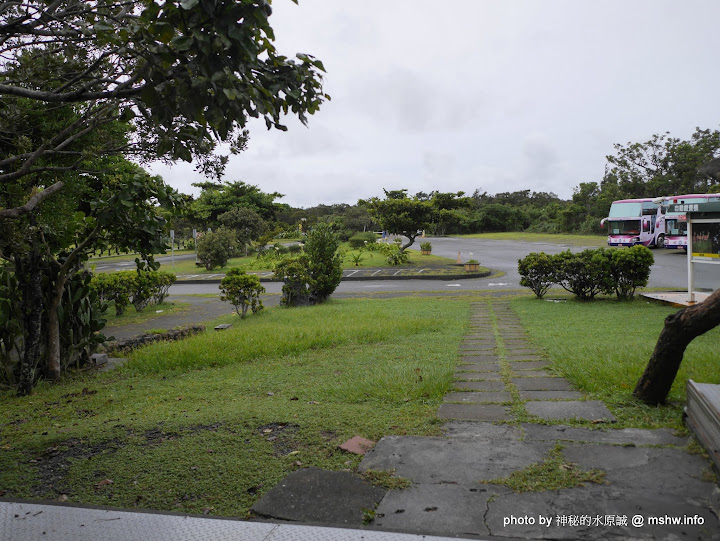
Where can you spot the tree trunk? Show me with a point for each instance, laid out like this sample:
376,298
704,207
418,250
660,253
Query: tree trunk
411,240
680,329
53,340
28,271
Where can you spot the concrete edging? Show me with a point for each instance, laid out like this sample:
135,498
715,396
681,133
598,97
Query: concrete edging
364,278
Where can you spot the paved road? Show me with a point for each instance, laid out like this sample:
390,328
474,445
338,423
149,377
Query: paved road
669,270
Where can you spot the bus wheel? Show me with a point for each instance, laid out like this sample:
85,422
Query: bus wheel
660,241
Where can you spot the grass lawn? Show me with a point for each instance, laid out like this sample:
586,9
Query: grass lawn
604,346
211,423
132,316
572,240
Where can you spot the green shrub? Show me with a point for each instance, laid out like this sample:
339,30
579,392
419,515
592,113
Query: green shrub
585,274
427,246
537,271
215,248
140,288
82,317
115,287
630,270
324,263
295,275
150,287
242,291
312,277
359,240
393,254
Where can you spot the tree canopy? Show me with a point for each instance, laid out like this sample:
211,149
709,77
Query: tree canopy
401,215
183,75
664,165
91,88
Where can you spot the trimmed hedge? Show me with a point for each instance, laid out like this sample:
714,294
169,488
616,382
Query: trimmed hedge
588,273
360,240
139,288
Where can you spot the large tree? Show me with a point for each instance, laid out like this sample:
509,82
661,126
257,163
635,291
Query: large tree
401,215
86,84
218,198
663,165
183,74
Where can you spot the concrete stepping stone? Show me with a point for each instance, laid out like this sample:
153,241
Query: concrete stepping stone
518,352
625,436
539,373
528,365
484,431
593,501
591,410
542,384
474,359
474,412
674,472
550,395
480,385
315,495
435,509
479,376
477,342
471,347
478,397
511,358
475,376
478,367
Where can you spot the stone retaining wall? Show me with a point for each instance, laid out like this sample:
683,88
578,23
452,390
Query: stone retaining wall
128,344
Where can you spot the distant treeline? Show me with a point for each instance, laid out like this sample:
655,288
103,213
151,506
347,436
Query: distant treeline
659,167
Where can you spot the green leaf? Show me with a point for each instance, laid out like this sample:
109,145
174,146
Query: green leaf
189,4
182,43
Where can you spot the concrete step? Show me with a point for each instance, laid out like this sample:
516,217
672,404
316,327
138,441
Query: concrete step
703,416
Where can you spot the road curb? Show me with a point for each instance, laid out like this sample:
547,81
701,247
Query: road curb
465,276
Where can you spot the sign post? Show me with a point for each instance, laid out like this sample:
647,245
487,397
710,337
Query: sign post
172,247
703,244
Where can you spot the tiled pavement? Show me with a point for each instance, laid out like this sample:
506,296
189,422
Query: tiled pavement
500,372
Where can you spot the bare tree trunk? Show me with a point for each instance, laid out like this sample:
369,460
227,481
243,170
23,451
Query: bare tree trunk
680,329
53,341
411,240
28,271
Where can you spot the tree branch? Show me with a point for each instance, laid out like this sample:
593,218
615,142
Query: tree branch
34,201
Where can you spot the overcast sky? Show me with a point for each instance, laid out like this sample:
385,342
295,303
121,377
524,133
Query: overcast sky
479,94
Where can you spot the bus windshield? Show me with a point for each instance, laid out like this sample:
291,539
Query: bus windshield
624,227
673,226
623,210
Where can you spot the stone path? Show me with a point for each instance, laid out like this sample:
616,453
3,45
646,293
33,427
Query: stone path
499,370
651,487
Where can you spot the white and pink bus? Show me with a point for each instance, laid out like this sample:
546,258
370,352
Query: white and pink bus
676,221
636,221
